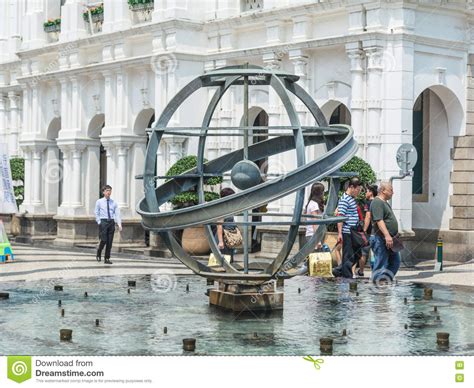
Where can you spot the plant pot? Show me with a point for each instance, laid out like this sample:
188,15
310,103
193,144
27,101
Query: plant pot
142,7
52,28
195,241
96,18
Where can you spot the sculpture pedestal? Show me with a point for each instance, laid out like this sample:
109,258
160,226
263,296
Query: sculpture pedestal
241,298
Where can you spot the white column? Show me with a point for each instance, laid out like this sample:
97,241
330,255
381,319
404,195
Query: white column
397,128
116,15
67,178
35,36
27,184
172,89
275,163
175,145
161,166
77,177
37,177
26,109
374,105
121,99
110,151
4,32
14,123
75,104
357,59
35,110
65,112
122,176
72,22
3,119
109,99
300,62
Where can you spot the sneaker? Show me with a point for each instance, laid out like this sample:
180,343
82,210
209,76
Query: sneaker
360,273
107,261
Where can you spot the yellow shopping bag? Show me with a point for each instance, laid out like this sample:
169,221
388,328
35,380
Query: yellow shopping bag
213,260
320,264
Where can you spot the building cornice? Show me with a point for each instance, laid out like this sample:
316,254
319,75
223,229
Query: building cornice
112,37
145,60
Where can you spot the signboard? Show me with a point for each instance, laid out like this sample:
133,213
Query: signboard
406,158
7,196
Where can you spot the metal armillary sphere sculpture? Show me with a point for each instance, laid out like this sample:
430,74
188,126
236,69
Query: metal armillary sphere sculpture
245,175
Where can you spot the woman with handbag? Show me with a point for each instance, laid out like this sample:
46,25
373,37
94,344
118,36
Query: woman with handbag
228,236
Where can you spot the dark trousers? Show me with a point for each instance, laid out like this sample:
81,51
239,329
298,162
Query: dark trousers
106,235
349,258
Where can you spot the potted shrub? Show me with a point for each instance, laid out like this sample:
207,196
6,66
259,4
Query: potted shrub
17,166
97,14
141,5
52,25
141,10
193,239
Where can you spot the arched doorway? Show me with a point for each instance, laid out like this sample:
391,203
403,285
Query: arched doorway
336,112
258,117
144,120
94,131
437,118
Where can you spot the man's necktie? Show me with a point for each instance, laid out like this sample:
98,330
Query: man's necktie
108,208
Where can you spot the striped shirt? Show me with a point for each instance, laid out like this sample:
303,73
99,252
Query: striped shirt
347,207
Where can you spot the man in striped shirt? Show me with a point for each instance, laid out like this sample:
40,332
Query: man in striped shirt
347,207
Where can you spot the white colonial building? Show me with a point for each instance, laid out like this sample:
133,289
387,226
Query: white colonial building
81,81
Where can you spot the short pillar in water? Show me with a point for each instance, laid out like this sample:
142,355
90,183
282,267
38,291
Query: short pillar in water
439,255
65,335
428,293
442,339
325,345
189,344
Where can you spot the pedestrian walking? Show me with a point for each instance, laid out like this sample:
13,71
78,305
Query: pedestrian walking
370,193
385,244
348,208
107,214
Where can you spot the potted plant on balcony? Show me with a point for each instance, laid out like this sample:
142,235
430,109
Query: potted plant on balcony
141,10
96,16
139,5
193,239
52,25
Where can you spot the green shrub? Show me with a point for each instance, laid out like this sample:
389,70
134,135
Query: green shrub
17,166
190,197
364,172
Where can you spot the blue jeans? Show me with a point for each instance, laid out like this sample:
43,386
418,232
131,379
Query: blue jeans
386,263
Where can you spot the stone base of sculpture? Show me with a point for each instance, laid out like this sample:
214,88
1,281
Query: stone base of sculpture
241,298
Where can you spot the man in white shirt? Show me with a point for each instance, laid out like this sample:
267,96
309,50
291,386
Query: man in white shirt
107,214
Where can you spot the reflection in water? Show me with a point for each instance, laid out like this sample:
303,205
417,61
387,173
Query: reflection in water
375,319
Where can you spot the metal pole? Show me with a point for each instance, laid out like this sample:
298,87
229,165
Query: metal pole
246,156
